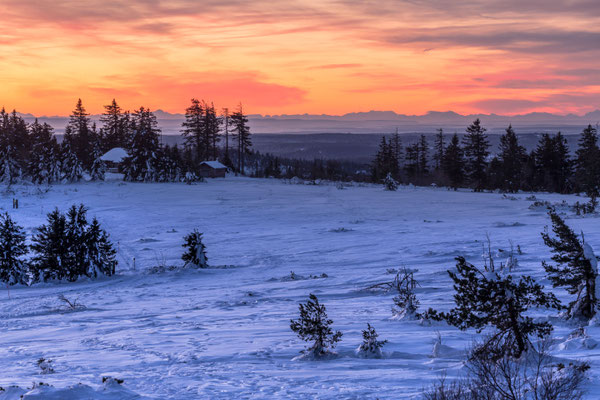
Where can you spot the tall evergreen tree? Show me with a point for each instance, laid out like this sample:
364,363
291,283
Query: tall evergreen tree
14,147
587,162
101,256
476,151
70,166
553,164
142,163
213,128
82,135
241,131
98,167
50,247
44,160
194,130
438,148
423,155
12,250
453,163
115,126
512,156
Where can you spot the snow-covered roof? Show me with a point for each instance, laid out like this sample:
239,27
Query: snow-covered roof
115,155
213,164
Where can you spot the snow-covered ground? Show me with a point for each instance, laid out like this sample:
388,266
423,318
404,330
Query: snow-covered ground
224,332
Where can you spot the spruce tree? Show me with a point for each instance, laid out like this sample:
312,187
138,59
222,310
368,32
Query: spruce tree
453,163
438,148
241,131
587,162
114,127
82,135
76,240
476,152
13,268
101,256
575,269
98,167
51,248
44,160
70,166
142,163
489,298
390,183
423,155
552,164
314,326
195,254
194,130
512,156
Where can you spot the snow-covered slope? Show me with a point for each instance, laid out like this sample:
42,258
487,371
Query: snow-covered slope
224,332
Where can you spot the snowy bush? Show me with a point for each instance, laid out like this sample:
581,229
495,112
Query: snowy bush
370,347
12,249
576,268
390,183
405,302
485,298
45,366
314,326
195,254
531,377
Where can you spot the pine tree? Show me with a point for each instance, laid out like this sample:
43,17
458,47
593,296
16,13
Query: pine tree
44,160
241,131
438,148
587,162
412,160
512,156
101,256
575,269
50,247
12,250
476,151
453,163
195,254
488,298
194,130
142,163
213,127
314,326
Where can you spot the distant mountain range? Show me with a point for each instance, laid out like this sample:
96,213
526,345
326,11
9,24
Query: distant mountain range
379,122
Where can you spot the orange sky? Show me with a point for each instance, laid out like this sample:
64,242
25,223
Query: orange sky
313,56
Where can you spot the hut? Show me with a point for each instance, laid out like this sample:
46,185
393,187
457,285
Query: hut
114,159
212,169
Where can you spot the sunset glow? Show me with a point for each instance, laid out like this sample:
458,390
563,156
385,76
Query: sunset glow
325,56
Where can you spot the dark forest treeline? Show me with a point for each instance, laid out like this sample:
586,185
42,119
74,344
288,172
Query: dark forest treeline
449,161
31,152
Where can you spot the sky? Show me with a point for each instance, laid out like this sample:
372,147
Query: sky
311,56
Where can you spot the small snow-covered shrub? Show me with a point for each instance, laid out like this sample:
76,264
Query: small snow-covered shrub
314,326
370,347
390,183
405,302
195,254
45,366
531,377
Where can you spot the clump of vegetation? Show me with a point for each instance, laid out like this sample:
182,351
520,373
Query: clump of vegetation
45,366
390,183
314,326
